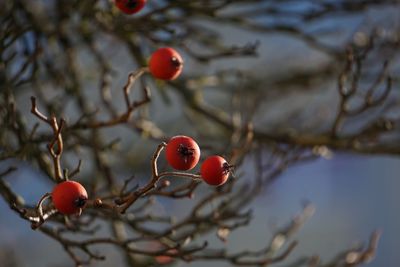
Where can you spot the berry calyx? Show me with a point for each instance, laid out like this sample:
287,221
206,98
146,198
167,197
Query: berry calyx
130,6
166,64
215,170
182,152
69,197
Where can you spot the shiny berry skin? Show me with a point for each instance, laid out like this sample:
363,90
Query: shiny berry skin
130,6
69,197
166,64
215,170
182,153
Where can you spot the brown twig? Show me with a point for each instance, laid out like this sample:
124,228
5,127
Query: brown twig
348,86
130,105
57,139
39,209
127,201
6,191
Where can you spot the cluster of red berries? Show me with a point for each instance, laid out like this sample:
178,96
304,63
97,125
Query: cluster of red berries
183,153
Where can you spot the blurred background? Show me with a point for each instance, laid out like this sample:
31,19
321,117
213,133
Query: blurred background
272,63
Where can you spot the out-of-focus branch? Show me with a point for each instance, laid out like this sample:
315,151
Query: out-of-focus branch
8,194
264,256
130,106
346,143
349,83
350,257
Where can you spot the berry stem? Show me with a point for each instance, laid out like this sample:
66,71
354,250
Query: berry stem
132,77
39,208
127,201
131,198
180,174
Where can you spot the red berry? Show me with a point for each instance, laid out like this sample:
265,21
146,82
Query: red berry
130,6
182,152
69,197
215,170
164,259
166,64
